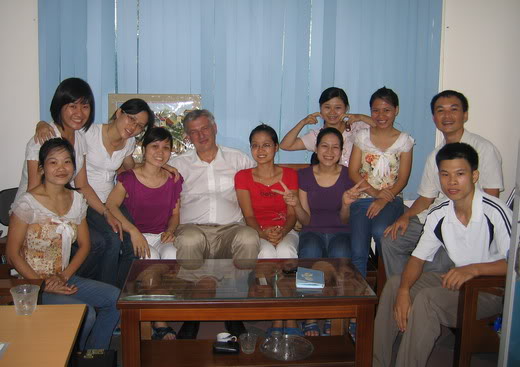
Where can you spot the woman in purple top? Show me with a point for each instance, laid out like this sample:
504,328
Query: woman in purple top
323,206
153,199
323,202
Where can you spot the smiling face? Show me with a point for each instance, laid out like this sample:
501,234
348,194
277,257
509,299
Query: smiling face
329,150
448,115
203,134
157,153
383,113
332,111
58,167
75,115
457,179
129,125
263,148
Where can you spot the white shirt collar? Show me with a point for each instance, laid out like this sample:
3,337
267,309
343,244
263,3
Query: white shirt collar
196,159
476,209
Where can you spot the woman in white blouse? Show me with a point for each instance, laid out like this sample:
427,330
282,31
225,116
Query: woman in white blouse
382,157
44,222
109,148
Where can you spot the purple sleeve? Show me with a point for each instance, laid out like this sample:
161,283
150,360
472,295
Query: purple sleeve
303,178
126,178
346,178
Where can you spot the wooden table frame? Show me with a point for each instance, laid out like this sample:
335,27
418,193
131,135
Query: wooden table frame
361,308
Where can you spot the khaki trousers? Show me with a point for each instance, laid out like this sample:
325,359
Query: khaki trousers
432,306
197,242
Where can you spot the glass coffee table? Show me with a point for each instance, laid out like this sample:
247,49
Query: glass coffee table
213,290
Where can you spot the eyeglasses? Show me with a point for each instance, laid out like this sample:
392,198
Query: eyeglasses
135,121
263,146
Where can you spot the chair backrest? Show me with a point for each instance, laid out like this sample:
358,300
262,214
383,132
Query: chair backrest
6,199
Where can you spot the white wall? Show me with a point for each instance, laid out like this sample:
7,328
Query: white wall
481,57
19,97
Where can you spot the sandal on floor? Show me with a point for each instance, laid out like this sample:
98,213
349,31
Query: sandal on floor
326,328
271,330
293,331
309,327
160,332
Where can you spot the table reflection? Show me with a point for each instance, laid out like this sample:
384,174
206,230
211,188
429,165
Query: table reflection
167,280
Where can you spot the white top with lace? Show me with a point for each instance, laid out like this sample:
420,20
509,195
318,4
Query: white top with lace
49,236
380,168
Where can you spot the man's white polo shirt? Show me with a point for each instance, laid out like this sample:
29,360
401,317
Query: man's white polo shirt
485,238
490,169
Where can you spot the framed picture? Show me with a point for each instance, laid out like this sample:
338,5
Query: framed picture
169,110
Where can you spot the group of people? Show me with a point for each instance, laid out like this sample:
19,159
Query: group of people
217,202
455,230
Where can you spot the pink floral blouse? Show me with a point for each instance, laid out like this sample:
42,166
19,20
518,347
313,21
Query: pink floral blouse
49,237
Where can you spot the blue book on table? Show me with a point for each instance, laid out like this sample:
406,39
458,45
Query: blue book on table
309,278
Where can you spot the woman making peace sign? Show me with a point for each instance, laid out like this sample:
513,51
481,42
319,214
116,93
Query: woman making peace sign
323,206
263,209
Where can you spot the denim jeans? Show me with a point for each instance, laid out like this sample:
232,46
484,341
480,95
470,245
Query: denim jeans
363,228
317,244
102,315
109,259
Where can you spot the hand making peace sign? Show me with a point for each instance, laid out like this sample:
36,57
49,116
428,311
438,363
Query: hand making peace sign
289,197
352,194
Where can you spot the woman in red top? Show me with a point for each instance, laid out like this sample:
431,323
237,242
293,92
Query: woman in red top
263,208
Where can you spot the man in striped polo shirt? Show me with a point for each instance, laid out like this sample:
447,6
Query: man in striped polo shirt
474,228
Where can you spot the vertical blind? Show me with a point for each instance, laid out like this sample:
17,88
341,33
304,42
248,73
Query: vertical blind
251,60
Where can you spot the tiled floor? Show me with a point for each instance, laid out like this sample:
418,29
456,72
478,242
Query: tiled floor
442,355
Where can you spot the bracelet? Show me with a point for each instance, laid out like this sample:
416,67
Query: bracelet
105,211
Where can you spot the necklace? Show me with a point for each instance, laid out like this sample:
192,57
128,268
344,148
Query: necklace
267,181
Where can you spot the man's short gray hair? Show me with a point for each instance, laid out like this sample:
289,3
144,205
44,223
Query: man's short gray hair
195,114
